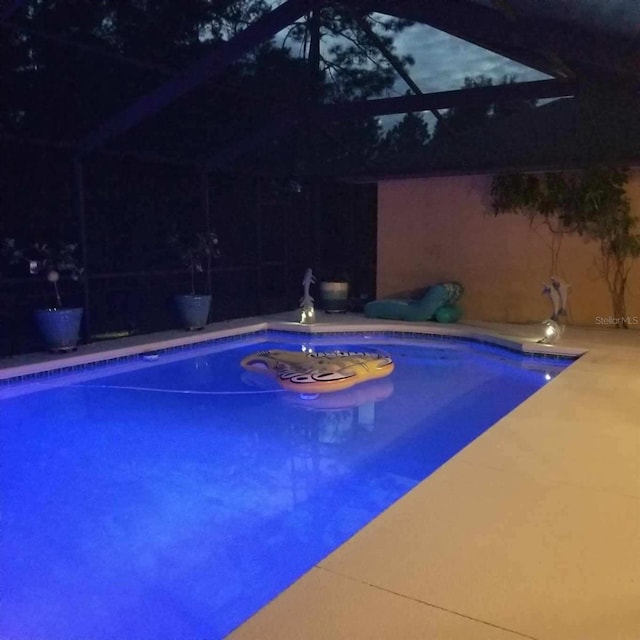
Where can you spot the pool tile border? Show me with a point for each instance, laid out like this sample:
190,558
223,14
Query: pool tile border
102,358
515,348
106,361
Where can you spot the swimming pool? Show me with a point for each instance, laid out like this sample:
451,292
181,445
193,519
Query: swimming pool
173,498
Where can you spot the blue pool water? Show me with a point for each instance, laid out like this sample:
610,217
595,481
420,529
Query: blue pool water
172,499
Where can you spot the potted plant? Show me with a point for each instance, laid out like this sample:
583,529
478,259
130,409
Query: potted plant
195,252
59,326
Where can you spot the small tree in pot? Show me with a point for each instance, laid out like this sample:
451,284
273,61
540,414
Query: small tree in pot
197,254
58,326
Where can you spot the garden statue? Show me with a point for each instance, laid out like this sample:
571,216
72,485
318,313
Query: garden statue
558,292
307,313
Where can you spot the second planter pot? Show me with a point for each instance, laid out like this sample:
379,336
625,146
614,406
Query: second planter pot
335,295
59,328
193,311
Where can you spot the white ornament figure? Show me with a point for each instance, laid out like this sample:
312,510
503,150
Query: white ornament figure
307,314
558,292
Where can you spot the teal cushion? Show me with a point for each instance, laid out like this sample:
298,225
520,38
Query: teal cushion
386,309
431,301
448,313
425,308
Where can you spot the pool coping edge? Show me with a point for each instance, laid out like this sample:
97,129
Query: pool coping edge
124,348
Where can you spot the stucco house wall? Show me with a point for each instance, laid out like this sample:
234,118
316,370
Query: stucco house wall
442,228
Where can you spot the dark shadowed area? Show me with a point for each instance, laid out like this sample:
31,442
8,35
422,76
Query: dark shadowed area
125,124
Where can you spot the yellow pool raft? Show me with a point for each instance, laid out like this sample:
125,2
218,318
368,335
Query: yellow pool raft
319,372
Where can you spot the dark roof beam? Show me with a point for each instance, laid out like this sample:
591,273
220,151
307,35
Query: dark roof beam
446,99
505,8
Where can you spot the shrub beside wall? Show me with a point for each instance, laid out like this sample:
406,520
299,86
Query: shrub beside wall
433,229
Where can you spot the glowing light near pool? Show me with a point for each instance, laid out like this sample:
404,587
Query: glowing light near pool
552,332
307,315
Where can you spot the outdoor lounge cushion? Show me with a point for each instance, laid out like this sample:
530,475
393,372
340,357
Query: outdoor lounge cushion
425,308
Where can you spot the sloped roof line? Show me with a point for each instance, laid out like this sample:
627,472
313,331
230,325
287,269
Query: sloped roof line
481,26
203,69
539,42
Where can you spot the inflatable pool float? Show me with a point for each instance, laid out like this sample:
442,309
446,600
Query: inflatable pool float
319,372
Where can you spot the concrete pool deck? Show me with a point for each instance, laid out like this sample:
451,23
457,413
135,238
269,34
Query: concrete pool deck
531,531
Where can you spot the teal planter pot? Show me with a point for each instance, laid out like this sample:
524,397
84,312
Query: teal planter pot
59,328
193,311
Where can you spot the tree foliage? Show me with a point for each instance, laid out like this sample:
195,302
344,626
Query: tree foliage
351,62
592,203
408,136
462,119
67,71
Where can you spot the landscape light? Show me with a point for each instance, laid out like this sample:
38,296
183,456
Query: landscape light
551,333
307,315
